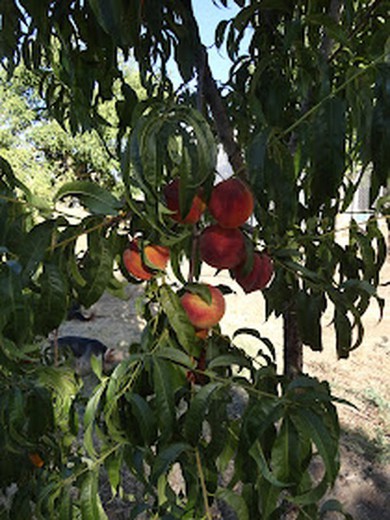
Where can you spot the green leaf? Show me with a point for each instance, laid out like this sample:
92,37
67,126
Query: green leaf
93,404
328,150
35,247
53,301
256,334
95,198
310,307
220,32
313,496
312,425
227,360
145,417
176,356
113,465
335,506
201,290
15,318
163,381
166,457
343,333
285,458
65,509
91,506
235,501
256,452
97,269
195,416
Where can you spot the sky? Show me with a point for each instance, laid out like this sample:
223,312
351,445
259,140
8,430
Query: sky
208,16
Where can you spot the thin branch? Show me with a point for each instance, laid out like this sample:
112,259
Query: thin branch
209,516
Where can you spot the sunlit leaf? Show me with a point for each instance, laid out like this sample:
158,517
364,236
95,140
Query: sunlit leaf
95,198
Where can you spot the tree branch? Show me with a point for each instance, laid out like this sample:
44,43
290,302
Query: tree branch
213,97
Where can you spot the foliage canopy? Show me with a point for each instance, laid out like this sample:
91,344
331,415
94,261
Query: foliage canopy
304,114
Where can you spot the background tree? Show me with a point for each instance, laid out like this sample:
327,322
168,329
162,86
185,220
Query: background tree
306,105
30,136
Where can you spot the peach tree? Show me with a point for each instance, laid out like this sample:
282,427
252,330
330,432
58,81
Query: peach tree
303,116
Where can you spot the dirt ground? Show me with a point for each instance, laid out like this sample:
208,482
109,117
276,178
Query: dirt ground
363,485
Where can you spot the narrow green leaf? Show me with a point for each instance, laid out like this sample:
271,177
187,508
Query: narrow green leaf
113,466
176,356
256,334
313,496
93,404
166,457
145,417
343,333
35,247
235,501
333,505
164,392
227,360
256,452
197,411
285,458
91,506
97,270
313,425
53,301
95,198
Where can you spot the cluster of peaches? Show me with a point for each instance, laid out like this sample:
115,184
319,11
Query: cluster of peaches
221,245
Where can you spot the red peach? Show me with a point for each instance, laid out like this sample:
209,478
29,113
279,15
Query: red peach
222,248
171,193
231,203
260,275
201,314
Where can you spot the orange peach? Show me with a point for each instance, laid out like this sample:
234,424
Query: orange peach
231,203
171,193
259,276
221,247
204,315
157,256
36,460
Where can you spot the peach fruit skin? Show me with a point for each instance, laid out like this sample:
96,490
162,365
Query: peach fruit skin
171,193
260,275
231,203
199,312
156,255
221,247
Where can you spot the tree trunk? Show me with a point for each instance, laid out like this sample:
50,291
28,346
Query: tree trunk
293,348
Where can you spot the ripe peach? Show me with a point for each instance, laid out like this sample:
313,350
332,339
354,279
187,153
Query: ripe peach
201,314
171,193
157,256
221,247
258,277
231,203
